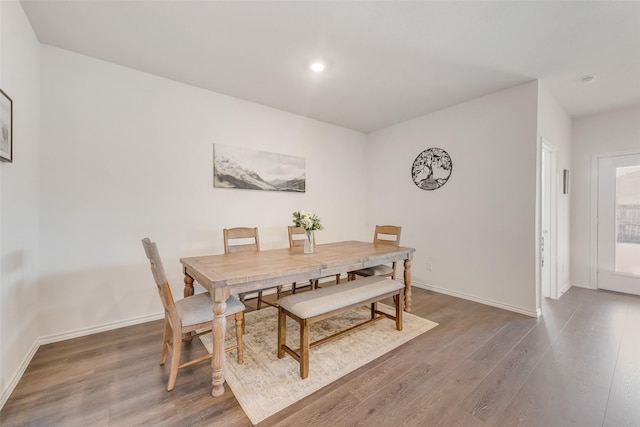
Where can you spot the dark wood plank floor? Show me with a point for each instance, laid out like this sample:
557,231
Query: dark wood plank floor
578,365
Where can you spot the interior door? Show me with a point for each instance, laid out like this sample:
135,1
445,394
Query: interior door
619,223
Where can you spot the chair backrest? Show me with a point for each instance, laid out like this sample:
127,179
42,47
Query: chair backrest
241,239
297,236
387,235
160,277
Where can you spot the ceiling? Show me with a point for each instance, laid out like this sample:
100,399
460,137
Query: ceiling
387,62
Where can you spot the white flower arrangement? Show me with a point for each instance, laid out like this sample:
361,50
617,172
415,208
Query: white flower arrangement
307,220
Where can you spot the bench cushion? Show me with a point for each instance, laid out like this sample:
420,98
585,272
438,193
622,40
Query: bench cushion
313,303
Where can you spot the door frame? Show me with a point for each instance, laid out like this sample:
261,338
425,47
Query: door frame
595,159
552,244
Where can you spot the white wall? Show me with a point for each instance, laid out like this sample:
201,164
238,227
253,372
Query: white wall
19,198
610,132
478,230
129,155
555,126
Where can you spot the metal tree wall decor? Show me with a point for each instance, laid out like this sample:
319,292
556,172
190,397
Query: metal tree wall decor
431,169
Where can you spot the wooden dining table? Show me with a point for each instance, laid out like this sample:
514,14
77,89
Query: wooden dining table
245,272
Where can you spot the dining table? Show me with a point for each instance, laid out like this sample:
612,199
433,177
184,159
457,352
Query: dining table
246,272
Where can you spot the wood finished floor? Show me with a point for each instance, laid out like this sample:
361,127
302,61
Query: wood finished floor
577,365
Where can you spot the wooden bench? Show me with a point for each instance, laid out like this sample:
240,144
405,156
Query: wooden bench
310,307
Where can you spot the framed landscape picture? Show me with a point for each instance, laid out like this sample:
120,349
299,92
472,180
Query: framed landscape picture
235,167
6,127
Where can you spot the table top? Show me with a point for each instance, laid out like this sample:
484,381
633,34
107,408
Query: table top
247,271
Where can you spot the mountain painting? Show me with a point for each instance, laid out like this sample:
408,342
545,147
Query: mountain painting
257,170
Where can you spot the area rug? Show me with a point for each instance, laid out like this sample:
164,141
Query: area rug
264,384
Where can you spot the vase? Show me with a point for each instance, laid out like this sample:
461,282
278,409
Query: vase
308,243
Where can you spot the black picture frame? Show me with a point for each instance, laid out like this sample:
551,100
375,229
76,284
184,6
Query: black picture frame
6,127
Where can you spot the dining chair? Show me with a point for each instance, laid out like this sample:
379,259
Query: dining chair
385,235
245,239
191,315
296,239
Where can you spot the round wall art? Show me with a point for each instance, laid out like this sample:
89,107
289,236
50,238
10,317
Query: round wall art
431,169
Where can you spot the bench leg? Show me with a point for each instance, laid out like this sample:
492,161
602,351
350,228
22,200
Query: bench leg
399,309
304,348
282,332
239,331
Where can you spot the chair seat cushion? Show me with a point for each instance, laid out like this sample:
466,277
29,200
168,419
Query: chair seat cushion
377,270
199,308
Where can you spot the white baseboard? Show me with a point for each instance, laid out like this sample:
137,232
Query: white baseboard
6,393
509,307
101,328
582,285
565,288
18,374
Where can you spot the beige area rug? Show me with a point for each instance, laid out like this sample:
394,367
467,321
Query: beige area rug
264,384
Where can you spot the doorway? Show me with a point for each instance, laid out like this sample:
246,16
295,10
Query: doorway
618,223
548,237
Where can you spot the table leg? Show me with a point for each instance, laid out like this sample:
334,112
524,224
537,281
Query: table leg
188,284
219,297
188,291
407,285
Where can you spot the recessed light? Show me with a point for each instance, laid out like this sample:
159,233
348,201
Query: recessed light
587,79
317,66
